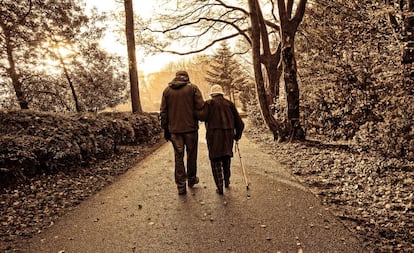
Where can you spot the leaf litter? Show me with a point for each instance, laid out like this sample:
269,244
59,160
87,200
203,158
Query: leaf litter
372,195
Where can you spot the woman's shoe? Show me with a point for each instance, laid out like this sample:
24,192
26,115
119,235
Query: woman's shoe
226,183
192,183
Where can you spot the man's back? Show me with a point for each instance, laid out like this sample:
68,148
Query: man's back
179,102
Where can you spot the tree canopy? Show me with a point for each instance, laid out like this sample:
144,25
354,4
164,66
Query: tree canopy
265,28
33,36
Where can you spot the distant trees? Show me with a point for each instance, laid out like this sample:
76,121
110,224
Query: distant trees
22,25
101,78
224,70
33,37
268,30
221,70
156,82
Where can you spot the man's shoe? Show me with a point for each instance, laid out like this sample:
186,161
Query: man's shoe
219,191
193,182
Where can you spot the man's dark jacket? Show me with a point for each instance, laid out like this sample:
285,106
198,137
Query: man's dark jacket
179,102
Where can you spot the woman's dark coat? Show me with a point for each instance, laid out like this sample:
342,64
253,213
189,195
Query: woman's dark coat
223,124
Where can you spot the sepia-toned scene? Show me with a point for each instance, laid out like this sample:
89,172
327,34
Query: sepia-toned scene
206,126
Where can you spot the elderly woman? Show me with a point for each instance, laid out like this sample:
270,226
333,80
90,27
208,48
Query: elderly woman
224,125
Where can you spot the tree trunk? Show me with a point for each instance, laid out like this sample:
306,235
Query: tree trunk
292,94
273,68
272,63
408,37
274,71
408,54
17,85
132,61
271,122
289,26
72,88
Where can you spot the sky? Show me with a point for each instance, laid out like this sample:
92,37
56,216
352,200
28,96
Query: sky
144,9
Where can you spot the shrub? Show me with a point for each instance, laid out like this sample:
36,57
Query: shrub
393,137
38,142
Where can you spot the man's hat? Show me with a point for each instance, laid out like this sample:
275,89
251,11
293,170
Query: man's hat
182,75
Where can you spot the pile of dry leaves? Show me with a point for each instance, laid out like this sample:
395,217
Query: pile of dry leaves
373,195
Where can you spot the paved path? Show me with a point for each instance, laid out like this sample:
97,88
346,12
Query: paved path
142,212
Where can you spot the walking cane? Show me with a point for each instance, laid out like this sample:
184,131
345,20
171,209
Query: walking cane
241,163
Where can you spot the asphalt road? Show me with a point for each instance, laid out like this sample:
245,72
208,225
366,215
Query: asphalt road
142,212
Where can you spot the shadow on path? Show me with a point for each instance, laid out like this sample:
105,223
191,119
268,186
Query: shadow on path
142,212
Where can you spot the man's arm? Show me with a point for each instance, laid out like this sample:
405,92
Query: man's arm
198,98
164,117
203,113
164,111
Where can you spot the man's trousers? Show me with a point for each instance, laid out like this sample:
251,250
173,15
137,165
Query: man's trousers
185,142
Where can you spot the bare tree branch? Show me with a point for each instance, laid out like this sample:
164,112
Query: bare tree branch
27,13
214,20
212,43
300,11
289,8
282,11
233,7
272,25
274,10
